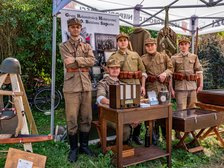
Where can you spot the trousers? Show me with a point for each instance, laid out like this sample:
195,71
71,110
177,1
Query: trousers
78,106
186,99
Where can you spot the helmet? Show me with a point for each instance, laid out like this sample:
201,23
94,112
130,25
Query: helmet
10,65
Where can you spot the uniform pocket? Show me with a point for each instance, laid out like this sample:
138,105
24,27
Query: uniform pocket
179,65
160,61
135,60
191,63
160,67
69,76
68,82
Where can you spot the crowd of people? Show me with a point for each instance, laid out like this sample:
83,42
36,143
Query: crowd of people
153,71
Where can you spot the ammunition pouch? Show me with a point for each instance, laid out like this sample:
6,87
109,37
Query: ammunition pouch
153,78
130,75
181,76
77,69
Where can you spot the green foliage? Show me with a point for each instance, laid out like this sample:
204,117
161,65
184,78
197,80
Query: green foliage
26,32
212,54
57,152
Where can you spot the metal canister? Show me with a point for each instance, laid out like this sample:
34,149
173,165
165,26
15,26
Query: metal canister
163,96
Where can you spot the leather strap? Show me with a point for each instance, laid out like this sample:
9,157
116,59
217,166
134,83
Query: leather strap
77,69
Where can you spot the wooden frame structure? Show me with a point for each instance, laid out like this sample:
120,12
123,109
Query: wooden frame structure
24,114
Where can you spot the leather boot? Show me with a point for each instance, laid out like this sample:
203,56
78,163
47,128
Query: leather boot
177,135
84,139
136,134
156,130
154,138
163,131
73,153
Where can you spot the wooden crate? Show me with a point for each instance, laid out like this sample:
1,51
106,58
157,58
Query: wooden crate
214,97
14,155
127,150
193,119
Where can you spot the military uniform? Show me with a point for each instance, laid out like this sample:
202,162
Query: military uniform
137,38
78,58
103,90
156,64
186,68
129,62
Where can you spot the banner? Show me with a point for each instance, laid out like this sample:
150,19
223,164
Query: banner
58,5
98,29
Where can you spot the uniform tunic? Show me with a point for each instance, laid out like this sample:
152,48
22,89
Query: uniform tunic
155,64
188,64
77,85
137,38
129,61
185,91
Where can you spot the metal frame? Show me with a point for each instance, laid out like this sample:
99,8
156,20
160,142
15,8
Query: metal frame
137,9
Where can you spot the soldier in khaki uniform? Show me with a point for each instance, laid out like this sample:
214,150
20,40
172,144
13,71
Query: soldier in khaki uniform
188,77
113,67
78,58
158,66
159,69
132,70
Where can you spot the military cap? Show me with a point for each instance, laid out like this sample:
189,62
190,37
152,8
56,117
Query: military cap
122,35
73,21
113,63
184,39
150,41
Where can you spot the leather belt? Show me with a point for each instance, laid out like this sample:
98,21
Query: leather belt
154,78
180,77
77,69
130,75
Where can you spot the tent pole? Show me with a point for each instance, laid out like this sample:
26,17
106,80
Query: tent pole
53,72
137,15
193,25
192,42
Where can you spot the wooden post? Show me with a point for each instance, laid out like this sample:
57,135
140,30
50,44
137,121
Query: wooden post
2,79
22,123
27,108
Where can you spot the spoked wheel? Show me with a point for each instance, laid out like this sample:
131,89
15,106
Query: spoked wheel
42,100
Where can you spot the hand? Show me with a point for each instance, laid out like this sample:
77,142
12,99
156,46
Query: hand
105,101
162,77
143,91
199,89
172,93
134,124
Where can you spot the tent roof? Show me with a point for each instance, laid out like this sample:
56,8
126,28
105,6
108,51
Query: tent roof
206,14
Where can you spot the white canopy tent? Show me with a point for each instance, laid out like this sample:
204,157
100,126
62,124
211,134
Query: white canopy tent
185,16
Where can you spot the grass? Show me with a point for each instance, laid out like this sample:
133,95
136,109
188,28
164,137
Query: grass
56,152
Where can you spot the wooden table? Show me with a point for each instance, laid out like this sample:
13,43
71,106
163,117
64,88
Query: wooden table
216,130
125,116
190,120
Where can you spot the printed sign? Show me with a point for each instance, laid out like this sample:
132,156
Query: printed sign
94,24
